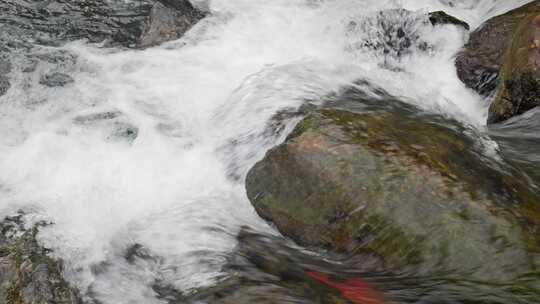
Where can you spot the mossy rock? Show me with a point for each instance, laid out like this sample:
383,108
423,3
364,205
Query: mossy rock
479,63
520,75
410,188
27,273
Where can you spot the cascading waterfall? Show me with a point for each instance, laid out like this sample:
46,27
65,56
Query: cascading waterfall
150,147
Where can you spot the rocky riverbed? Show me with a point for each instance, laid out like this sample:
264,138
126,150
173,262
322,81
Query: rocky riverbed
175,151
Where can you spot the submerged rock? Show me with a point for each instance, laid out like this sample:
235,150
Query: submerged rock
480,61
124,131
408,187
120,23
267,269
391,33
56,80
27,273
395,33
96,117
116,125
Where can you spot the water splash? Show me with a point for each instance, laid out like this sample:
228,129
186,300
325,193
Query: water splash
149,148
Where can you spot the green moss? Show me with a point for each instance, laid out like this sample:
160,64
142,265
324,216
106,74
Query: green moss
397,135
13,294
304,125
396,185
443,150
386,240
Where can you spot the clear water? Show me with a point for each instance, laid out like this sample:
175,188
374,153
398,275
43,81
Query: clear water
189,119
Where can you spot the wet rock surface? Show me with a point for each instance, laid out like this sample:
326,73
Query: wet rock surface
357,177
519,89
117,22
168,20
270,269
480,62
27,273
5,68
115,125
56,80
442,18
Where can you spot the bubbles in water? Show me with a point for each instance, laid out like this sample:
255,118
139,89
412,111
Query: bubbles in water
139,160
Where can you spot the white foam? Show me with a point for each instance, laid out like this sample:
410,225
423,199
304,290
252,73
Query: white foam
201,107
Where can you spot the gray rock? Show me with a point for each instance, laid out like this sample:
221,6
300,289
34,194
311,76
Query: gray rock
124,131
115,122
92,118
5,68
56,80
117,22
4,85
166,23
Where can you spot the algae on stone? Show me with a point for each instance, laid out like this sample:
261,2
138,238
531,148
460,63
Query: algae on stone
399,185
519,89
28,274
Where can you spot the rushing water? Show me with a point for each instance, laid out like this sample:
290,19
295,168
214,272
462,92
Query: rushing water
150,147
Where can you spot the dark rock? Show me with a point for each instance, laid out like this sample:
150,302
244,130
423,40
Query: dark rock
92,118
54,22
27,273
120,23
401,185
115,123
139,252
166,24
5,68
480,61
4,85
519,89
442,18
124,131
56,80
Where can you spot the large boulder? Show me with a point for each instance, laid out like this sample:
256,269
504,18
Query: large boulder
27,273
519,88
411,188
480,61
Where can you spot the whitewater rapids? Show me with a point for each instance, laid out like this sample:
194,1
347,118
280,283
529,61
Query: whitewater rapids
199,111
